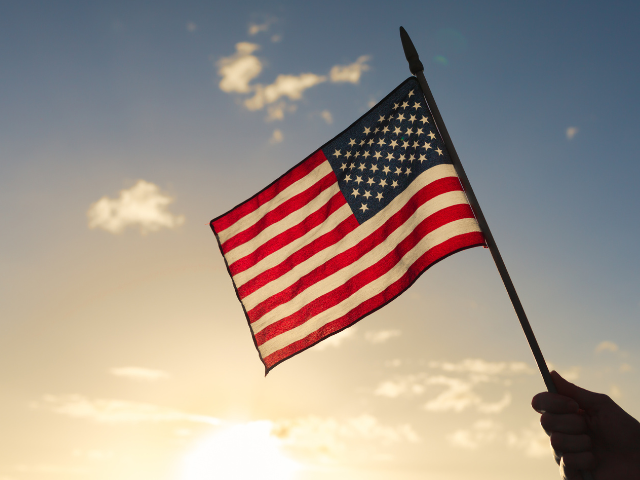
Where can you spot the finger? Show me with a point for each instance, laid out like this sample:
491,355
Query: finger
563,442
579,461
567,473
585,398
566,423
554,403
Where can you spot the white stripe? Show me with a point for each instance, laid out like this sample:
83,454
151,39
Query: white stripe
291,220
368,291
341,276
354,237
282,254
291,191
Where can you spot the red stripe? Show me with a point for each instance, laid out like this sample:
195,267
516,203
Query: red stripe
288,236
305,253
440,251
349,256
270,192
364,277
281,211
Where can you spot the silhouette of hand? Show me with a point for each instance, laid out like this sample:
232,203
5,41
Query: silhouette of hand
589,431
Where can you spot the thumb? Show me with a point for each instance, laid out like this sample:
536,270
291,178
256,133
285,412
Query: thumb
586,399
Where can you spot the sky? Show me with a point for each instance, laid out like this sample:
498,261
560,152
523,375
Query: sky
127,126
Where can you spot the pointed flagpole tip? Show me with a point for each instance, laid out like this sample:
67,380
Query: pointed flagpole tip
415,65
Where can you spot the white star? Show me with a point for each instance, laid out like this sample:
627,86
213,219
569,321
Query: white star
357,153
424,120
400,116
393,144
361,167
385,129
394,184
432,135
419,131
337,154
412,158
377,155
358,179
422,158
427,146
379,196
347,178
348,154
385,169
410,93
362,142
370,181
370,142
408,171
376,130
390,156
401,158
352,166
416,144
416,105
395,106
381,118
398,171
366,195
383,183
405,144
352,142
355,192
367,130
381,142
439,151
409,131
344,165
397,131
405,104
364,208
374,168
366,154
412,118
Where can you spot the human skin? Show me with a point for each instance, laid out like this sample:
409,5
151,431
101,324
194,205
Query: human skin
589,431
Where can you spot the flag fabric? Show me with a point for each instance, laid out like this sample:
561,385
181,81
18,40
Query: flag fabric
346,230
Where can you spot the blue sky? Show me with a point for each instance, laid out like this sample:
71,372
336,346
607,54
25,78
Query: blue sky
104,100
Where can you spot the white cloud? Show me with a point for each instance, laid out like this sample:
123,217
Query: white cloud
116,411
381,336
350,73
255,28
239,69
139,373
142,205
336,340
277,136
625,367
571,132
277,110
326,116
533,441
481,432
606,346
458,396
615,392
276,38
291,86
191,27
476,365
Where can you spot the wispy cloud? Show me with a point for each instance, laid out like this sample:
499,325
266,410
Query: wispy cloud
481,432
255,28
336,340
381,336
142,205
139,373
276,137
476,365
277,110
350,73
291,86
116,411
606,346
571,132
326,116
239,69
191,27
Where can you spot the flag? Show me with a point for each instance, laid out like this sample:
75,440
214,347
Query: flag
346,230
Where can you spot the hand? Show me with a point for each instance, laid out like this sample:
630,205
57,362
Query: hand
589,431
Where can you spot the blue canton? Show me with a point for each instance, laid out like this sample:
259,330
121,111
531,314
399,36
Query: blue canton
378,156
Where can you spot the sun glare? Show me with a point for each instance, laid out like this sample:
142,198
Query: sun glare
241,452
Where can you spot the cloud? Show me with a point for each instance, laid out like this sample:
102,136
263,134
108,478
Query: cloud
139,373
191,27
142,205
476,365
116,411
606,346
276,38
326,116
277,111
239,69
615,392
334,341
481,432
571,132
625,367
277,136
291,86
533,441
255,28
458,396
349,73
55,469
381,336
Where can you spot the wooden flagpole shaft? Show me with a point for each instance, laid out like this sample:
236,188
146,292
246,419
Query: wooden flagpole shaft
417,69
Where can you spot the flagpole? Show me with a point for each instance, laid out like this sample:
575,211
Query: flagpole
417,69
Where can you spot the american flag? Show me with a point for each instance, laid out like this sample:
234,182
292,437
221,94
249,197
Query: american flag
346,230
